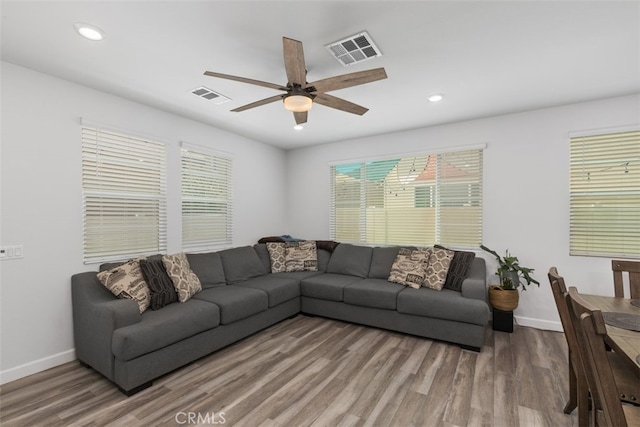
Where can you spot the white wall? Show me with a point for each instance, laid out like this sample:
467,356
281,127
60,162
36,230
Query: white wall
526,195
525,199
40,202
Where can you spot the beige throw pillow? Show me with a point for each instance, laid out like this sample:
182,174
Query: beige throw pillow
184,279
277,255
410,267
439,262
127,281
301,256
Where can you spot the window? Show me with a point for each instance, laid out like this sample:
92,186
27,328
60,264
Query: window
415,200
605,194
123,195
206,200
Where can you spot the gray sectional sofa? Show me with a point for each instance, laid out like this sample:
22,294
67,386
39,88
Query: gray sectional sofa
241,296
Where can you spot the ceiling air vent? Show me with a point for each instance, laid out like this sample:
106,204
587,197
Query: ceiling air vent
210,95
353,49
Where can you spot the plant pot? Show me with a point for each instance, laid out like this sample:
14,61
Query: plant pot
503,299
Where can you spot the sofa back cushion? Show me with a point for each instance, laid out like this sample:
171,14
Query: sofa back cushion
208,268
351,260
263,254
240,264
381,261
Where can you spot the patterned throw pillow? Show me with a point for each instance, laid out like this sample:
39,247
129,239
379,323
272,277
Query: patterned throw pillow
126,281
439,262
160,284
185,281
277,255
301,256
410,267
458,270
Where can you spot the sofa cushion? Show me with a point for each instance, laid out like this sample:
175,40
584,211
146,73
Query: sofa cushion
160,328
208,267
301,256
263,254
458,269
280,289
184,279
445,304
277,256
241,263
327,286
439,261
126,281
381,261
376,293
350,260
235,302
298,275
160,285
410,267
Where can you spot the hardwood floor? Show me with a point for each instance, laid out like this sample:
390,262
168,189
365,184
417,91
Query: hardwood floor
311,371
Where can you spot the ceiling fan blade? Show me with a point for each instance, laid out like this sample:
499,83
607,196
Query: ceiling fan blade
294,62
348,80
245,80
300,117
340,104
258,103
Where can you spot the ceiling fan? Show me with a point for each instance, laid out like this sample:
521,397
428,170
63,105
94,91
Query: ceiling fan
300,95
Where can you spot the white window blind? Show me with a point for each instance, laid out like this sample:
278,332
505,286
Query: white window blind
414,200
206,200
123,195
605,195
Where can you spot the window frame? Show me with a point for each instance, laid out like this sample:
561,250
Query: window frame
368,226
218,202
604,192
124,194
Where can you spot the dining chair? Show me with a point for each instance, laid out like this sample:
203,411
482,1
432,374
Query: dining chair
628,385
578,391
633,268
607,409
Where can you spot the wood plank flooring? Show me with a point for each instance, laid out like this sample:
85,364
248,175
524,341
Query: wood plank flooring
311,371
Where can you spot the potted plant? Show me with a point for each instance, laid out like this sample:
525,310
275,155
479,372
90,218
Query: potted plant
512,275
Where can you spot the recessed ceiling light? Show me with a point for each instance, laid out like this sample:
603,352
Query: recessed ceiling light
298,127
90,32
436,97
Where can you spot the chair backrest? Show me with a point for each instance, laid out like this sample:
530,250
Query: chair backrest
633,268
591,331
559,290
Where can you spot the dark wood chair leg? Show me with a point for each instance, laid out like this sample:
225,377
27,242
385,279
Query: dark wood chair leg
573,391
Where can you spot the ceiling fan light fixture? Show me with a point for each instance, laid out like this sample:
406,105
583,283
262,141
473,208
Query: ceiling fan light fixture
89,31
298,103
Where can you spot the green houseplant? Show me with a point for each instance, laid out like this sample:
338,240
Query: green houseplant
512,275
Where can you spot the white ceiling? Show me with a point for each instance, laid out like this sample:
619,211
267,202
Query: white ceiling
488,58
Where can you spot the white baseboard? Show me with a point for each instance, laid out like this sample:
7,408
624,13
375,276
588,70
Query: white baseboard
36,366
546,325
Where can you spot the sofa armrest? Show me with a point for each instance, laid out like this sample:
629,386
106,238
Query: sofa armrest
97,313
475,284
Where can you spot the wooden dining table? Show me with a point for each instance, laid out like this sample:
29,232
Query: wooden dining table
623,341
